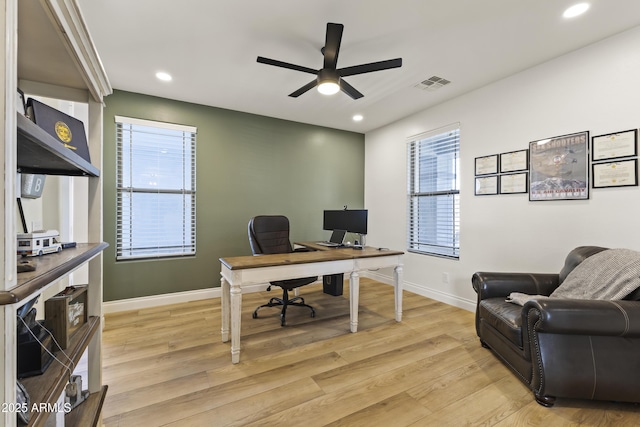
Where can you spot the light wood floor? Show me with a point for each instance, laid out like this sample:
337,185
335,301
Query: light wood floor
167,366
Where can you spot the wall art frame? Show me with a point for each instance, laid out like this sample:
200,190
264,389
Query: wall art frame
616,145
514,161
558,168
486,185
623,173
514,183
486,165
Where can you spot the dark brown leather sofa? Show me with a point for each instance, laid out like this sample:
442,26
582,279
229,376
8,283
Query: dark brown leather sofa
568,348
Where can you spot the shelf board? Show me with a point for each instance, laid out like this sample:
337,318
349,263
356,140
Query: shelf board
49,268
40,153
88,412
48,387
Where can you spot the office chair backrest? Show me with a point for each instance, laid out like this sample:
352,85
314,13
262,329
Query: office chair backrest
269,234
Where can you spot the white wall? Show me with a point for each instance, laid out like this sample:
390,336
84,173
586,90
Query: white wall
594,89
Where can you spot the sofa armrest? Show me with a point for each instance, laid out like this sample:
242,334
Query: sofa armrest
582,317
494,285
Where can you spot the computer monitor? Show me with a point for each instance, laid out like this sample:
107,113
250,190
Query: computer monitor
352,220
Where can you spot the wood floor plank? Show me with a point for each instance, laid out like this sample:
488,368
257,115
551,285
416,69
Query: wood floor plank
168,366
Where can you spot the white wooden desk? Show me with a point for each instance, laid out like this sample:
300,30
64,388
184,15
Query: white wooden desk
237,272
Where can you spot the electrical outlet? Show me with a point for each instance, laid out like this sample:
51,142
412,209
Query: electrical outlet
445,278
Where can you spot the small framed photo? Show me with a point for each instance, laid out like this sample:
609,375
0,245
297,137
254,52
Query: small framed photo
615,174
514,161
21,105
486,186
614,145
514,183
487,165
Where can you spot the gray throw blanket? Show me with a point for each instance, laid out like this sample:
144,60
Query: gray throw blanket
608,275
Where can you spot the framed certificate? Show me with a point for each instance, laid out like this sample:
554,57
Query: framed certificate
486,186
615,174
487,165
514,161
614,145
513,183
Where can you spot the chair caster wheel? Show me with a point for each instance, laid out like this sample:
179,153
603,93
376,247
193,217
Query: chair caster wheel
255,315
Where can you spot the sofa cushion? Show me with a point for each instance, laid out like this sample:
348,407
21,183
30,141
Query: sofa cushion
503,316
608,275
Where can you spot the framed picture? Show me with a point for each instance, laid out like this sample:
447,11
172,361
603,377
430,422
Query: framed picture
21,105
486,186
614,145
514,161
616,174
487,165
558,168
513,183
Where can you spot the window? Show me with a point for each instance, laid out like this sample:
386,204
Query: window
156,189
434,192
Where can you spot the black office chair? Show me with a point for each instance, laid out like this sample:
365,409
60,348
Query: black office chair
269,234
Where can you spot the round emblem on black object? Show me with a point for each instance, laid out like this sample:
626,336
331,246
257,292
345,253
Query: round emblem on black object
63,132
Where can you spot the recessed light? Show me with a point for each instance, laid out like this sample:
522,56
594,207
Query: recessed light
358,118
165,77
576,10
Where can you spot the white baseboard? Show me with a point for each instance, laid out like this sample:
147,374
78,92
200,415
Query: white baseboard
172,298
200,294
453,300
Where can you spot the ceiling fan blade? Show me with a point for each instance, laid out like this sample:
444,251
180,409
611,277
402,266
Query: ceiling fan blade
277,63
350,90
371,67
304,89
332,45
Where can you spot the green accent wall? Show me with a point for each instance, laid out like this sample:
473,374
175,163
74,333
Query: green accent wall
247,165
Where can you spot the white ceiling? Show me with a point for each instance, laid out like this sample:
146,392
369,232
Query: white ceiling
210,48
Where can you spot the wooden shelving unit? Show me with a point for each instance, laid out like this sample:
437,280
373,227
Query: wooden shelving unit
48,52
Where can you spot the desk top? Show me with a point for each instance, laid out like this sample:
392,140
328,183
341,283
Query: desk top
332,254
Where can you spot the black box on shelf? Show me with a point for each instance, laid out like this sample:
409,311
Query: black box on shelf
33,359
68,130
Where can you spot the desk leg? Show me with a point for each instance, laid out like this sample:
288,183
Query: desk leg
236,308
225,309
397,282
354,297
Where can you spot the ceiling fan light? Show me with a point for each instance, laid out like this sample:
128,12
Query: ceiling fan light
328,88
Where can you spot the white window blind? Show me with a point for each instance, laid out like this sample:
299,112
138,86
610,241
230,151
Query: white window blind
434,192
156,189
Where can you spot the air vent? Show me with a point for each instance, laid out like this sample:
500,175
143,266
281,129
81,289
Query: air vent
432,83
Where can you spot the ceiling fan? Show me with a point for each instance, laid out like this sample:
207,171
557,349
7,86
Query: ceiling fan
329,79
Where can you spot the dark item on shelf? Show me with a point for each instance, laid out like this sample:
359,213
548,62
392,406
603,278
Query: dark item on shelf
67,245
68,130
41,153
65,312
33,357
333,284
24,266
